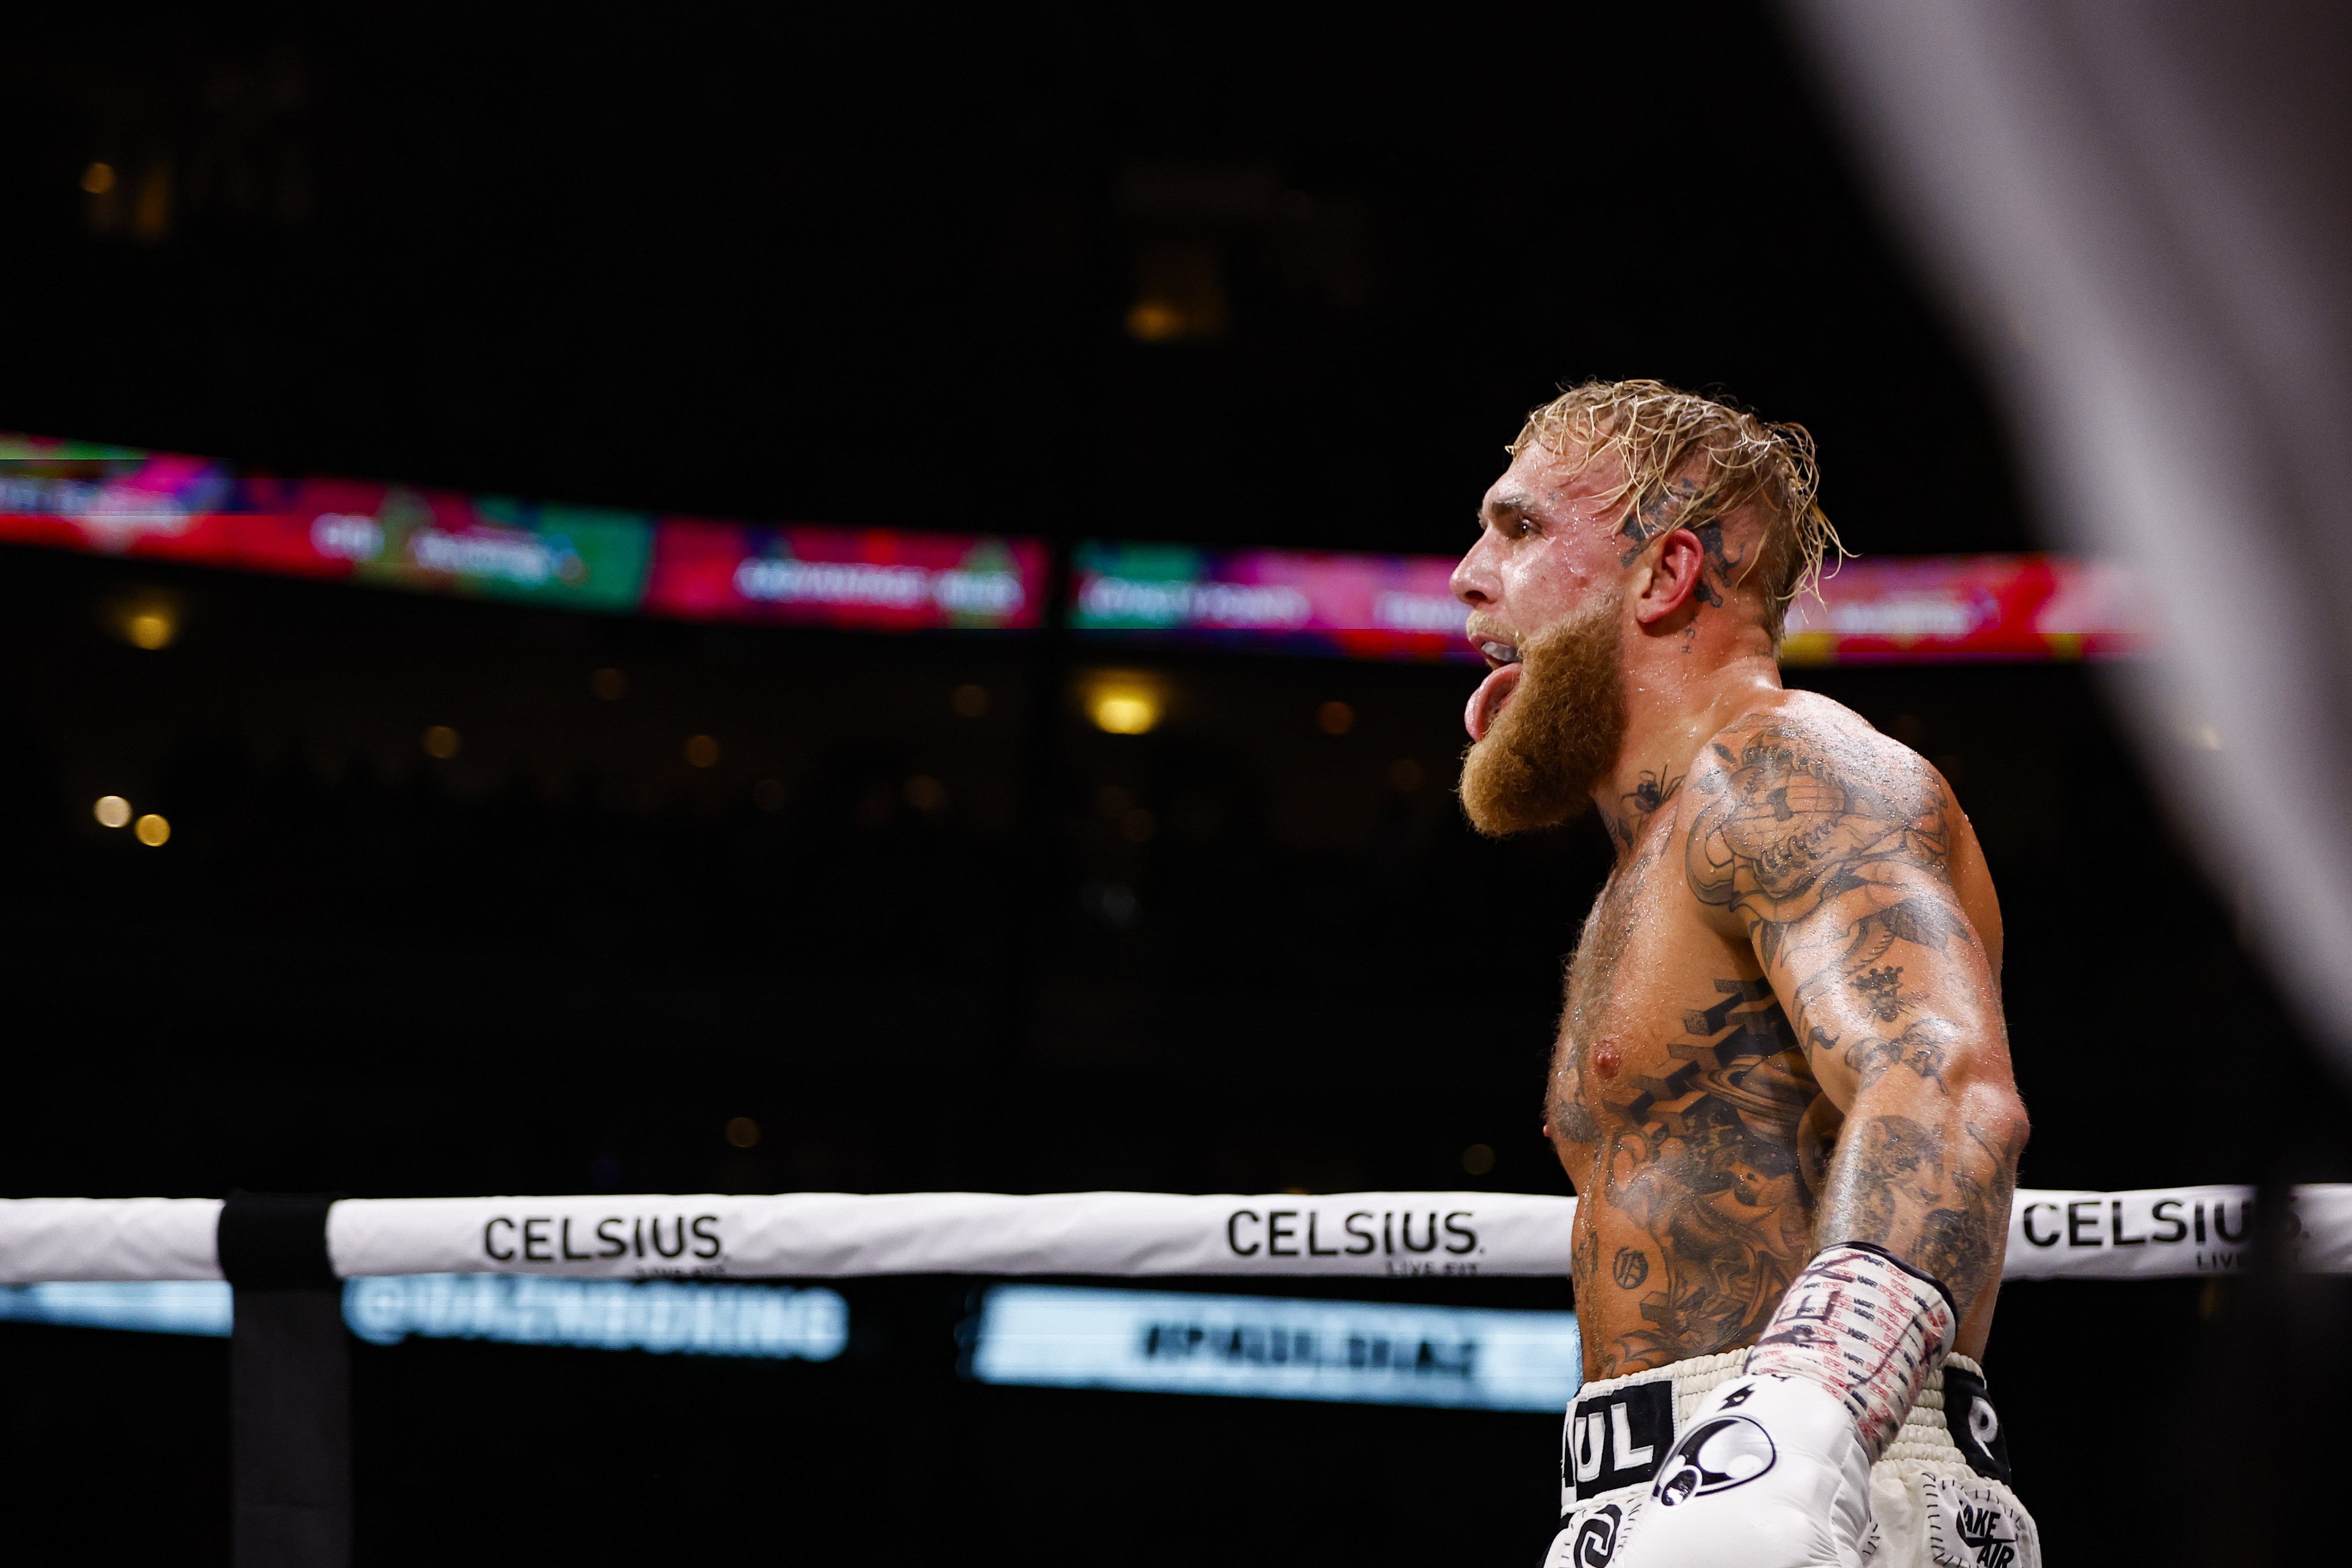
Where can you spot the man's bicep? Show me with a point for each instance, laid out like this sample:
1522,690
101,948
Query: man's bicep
1831,849
1885,976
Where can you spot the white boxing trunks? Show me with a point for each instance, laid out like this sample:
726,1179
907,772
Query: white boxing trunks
1940,1497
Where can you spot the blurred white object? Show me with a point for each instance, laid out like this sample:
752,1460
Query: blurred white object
2143,213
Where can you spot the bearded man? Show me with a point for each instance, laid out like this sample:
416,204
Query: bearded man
1781,1084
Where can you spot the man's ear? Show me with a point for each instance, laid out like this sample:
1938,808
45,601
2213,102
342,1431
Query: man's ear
1671,578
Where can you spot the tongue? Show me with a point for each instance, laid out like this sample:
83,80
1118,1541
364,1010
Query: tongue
1487,701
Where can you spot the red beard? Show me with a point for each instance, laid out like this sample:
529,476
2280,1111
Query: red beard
1558,735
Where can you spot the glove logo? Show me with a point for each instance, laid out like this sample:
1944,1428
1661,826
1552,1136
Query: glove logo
1596,1538
1713,1456
1587,1540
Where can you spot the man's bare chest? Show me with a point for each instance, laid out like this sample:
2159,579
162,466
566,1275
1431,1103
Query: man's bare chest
1669,1027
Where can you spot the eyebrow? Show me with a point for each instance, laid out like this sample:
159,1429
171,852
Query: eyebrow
1514,502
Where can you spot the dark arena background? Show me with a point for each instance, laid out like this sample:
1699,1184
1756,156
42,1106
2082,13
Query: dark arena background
910,921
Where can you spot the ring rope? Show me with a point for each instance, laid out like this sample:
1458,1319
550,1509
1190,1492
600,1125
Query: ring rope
2153,1232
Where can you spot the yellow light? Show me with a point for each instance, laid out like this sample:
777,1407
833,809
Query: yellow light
1477,1159
742,1132
926,793
1124,709
153,830
969,701
610,685
702,751
1404,775
148,618
111,811
1335,718
1156,321
441,741
97,179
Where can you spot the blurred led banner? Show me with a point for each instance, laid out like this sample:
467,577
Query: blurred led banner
1277,1348
148,1306
1359,606
439,542
113,500
1895,609
876,579
1931,609
659,1315
662,1316
117,500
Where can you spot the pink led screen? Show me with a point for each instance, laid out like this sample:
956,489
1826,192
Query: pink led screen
1930,609
883,579
1895,609
115,500
1361,606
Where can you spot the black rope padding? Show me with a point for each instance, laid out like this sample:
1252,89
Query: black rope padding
275,1239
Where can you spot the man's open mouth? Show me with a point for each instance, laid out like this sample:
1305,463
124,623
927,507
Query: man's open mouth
1488,702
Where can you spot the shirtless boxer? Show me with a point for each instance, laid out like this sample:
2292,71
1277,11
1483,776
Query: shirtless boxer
1781,1085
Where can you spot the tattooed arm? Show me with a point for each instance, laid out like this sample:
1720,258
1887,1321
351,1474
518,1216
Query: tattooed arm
1833,851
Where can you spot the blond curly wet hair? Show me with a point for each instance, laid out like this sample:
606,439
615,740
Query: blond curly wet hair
1691,461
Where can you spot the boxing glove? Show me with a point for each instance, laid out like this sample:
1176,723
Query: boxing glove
1770,1472
1773,1470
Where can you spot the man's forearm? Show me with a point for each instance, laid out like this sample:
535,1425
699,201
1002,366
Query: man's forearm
1926,1174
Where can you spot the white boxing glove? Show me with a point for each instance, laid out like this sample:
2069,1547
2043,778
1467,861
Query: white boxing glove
1769,1473
1773,1470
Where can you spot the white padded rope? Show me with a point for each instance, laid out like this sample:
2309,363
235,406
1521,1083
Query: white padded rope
2150,1233
46,1238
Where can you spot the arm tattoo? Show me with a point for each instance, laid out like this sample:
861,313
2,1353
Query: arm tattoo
1923,1193
1925,1048
1792,835
1887,1159
1833,851
1884,990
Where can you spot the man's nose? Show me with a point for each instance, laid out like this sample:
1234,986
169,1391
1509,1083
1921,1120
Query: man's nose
1473,581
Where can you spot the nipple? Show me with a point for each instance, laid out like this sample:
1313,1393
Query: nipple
1607,1058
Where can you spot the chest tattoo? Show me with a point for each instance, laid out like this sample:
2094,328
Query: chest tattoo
1716,1155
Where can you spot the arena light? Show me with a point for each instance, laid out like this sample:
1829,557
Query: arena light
1121,704
150,629
1269,1347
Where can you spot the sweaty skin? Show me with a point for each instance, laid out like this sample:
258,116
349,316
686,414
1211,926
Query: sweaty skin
1783,1025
